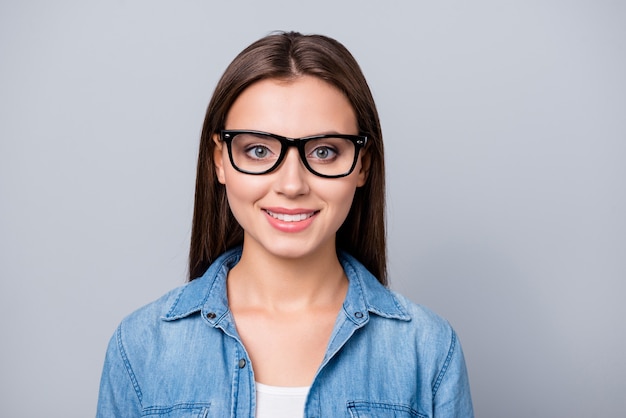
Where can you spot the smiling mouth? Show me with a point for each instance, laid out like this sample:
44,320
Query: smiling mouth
290,218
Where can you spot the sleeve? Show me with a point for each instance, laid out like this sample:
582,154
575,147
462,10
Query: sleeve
120,395
451,391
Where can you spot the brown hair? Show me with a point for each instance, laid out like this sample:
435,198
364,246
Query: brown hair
287,55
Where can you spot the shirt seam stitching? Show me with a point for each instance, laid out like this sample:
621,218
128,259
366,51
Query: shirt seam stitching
127,366
446,365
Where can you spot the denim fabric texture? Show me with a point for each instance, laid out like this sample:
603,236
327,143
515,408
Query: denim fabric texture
181,356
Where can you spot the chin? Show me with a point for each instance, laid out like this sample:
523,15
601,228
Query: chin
290,249
290,252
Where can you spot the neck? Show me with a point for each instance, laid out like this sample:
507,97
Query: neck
266,281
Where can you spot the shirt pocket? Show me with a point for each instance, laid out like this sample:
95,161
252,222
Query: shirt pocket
183,410
364,409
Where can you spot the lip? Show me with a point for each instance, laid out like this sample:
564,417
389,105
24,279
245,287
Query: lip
290,220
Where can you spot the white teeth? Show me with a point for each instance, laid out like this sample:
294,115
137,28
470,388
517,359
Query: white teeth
290,218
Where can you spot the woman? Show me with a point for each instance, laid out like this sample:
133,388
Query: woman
286,313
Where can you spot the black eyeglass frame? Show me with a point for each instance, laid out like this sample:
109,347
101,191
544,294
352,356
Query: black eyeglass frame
227,136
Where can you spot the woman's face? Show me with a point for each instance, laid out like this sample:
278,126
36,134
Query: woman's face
290,212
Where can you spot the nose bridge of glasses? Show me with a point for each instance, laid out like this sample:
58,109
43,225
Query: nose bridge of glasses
293,148
291,142
293,145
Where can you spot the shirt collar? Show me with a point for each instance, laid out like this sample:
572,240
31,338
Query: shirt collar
367,295
207,294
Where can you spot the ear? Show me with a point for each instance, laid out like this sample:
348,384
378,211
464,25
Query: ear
365,168
218,159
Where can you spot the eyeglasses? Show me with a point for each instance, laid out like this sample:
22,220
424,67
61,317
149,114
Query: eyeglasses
329,156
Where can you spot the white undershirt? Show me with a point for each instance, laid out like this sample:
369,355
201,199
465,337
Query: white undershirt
280,401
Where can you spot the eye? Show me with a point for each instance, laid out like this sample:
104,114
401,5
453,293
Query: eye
258,152
323,153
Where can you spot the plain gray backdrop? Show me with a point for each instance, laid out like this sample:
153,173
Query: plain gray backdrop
505,130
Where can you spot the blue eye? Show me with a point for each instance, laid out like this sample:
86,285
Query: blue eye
258,151
323,153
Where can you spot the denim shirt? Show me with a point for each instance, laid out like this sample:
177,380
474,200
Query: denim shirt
181,356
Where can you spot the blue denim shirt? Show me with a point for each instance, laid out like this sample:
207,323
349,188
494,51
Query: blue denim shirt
181,356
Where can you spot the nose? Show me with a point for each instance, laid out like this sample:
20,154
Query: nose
291,176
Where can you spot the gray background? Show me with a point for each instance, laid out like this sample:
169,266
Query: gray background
505,128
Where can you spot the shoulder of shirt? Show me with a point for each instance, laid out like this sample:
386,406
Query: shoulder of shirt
378,296
191,297
153,312
424,318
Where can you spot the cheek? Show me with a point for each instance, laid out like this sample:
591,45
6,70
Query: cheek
242,191
340,197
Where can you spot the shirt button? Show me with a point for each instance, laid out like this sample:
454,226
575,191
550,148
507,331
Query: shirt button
211,315
242,363
358,314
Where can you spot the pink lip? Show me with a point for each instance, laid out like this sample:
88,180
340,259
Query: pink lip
291,226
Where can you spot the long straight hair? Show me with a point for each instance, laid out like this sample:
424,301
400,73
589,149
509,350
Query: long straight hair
288,55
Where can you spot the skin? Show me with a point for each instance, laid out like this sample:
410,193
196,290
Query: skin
287,289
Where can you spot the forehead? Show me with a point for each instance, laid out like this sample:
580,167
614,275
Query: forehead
296,107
